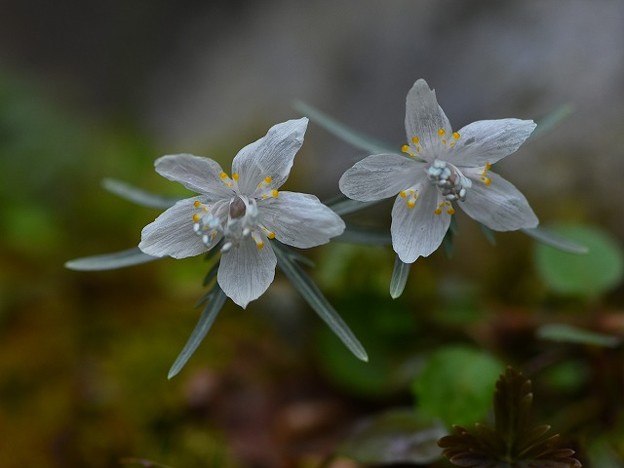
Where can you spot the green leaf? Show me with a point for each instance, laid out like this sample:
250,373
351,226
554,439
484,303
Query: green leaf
400,275
361,235
343,132
110,261
341,205
587,275
136,195
551,120
548,237
456,384
514,442
214,305
570,334
395,436
313,296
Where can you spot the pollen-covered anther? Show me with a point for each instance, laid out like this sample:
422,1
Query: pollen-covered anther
258,240
274,193
226,180
265,182
270,234
411,196
444,206
484,178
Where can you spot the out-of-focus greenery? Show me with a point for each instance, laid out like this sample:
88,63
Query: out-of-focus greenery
84,356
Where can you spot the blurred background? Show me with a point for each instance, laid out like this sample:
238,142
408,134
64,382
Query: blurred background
101,89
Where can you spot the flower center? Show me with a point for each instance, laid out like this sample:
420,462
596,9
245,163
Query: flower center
235,219
449,180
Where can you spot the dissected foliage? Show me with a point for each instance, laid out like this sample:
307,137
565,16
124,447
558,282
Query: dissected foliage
515,441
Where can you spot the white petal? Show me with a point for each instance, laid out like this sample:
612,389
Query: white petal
299,219
418,232
424,117
196,173
172,233
245,272
500,205
271,155
488,141
380,176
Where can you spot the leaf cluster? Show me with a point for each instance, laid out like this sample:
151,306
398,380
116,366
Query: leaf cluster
514,441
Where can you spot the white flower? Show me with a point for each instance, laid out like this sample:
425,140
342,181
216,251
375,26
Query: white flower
441,169
246,211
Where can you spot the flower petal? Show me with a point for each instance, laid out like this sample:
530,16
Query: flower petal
380,176
246,271
299,219
500,205
418,232
172,232
196,173
488,141
271,155
424,117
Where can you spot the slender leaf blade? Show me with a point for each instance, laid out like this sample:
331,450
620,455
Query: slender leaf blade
111,261
361,235
137,195
400,274
313,296
342,131
570,334
548,237
207,318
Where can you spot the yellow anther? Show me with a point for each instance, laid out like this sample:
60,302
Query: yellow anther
484,178
456,135
196,218
405,148
411,203
438,211
451,210
260,245
268,179
402,194
441,132
197,204
235,176
274,193
223,176
415,140
271,235
443,141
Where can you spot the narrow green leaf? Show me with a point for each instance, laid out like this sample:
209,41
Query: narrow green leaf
551,120
313,296
343,132
137,195
488,233
207,318
400,274
570,334
361,235
342,205
558,241
110,261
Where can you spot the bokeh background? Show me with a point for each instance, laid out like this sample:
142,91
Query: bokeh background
101,89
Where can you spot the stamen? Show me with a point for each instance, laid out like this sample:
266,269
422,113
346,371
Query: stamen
484,178
274,193
196,218
411,195
197,204
226,180
456,135
268,179
441,132
446,206
235,176
258,240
